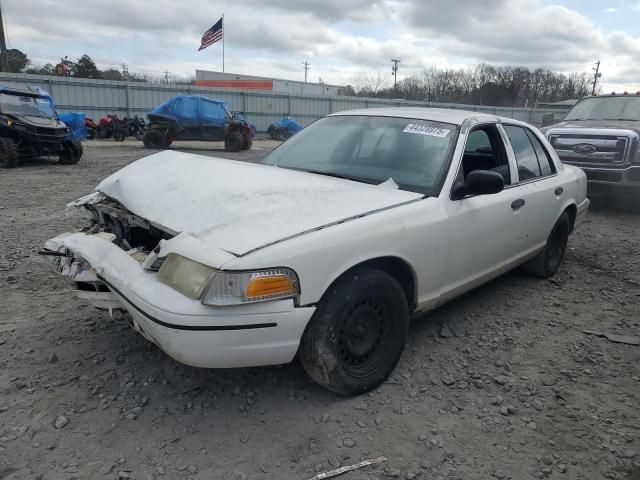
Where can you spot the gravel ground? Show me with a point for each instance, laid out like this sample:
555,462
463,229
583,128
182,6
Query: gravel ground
501,383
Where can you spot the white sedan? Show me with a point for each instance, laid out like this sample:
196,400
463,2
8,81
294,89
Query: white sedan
329,246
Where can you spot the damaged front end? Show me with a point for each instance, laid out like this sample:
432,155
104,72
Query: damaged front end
109,222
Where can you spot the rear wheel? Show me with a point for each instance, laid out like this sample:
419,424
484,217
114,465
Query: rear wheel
8,153
118,136
548,261
234,141
71,153
154,139
357,334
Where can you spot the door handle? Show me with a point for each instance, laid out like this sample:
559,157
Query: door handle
559,191
517,204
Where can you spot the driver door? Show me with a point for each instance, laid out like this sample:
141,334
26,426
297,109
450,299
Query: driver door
486,233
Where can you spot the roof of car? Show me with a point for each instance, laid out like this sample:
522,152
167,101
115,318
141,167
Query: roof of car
25,90
445,115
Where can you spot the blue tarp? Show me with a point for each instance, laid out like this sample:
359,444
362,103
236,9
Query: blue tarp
193,110
75,122
290,124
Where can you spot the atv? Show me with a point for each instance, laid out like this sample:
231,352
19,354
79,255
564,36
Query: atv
284,128
30,127
192,117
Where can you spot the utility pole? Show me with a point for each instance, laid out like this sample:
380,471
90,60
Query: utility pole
306,69
4,59
595,77
394,72
125,71
166,76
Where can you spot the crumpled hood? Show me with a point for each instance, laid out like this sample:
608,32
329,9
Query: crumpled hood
239,206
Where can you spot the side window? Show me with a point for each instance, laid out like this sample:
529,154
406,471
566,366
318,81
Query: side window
546,165
478,141
526,157
484,150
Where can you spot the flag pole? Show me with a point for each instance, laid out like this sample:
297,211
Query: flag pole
223,43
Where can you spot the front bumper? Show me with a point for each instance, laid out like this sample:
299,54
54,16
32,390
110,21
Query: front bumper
581,212
612,181
212,337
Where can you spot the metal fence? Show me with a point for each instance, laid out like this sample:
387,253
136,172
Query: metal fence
100,97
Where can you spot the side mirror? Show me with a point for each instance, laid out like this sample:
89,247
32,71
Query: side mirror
479,182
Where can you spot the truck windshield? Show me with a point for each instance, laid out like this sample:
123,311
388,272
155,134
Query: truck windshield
412,154
606,108
26,105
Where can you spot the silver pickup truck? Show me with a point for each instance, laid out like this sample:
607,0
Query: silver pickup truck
601,135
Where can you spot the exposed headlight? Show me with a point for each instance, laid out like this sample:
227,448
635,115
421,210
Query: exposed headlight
186,276
234,288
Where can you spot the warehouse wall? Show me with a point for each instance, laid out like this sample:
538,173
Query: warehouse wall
100,97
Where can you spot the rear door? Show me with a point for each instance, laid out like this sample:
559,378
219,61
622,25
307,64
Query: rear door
541,185
213,117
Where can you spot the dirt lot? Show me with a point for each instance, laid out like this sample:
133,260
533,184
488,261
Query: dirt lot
501,383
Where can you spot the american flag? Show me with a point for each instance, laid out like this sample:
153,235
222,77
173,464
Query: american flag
213,35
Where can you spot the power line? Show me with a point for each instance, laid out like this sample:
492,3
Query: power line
394,72
4,59
306,69
595,77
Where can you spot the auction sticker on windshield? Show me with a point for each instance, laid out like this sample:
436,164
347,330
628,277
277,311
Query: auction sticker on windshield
426,130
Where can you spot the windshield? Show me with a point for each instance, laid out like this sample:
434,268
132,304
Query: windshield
606,108
26,105
414,154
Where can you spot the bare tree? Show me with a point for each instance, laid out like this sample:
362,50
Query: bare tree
368,83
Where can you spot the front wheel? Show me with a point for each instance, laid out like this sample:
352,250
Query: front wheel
548,261
118,136
71,153
357,334
234,141
8,153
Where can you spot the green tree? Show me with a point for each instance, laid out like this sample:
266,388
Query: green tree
85,67
18,61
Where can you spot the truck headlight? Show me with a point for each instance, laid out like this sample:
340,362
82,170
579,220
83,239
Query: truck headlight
186,276
235,288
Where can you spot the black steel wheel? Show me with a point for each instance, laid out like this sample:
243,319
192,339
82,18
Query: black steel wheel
357,334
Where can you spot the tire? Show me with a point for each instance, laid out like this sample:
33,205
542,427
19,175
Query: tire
8,153
154,139
548,261
357,334
71,153
140,134
234,141
118,136
247,142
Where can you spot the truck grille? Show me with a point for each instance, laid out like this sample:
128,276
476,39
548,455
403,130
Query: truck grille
595,149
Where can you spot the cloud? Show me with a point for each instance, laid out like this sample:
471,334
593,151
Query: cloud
339,37
611,10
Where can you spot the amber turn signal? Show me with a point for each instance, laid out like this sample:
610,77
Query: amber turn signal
261,286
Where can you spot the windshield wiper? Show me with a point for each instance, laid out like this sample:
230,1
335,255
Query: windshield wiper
332,174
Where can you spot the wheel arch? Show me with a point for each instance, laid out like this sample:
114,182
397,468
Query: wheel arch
397,268
572,211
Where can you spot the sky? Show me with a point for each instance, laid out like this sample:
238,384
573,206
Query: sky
339,38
